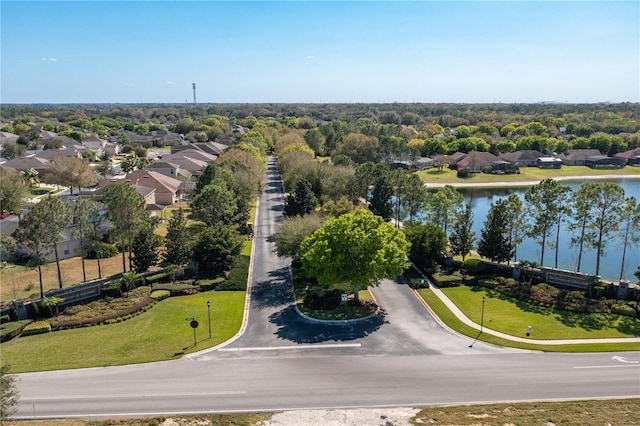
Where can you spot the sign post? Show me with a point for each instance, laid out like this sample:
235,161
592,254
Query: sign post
194,324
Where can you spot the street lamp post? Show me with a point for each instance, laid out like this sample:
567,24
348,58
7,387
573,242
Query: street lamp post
481,323
209,316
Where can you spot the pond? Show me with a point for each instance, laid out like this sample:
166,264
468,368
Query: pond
611,262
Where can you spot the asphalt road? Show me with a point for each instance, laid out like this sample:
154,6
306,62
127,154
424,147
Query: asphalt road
401,357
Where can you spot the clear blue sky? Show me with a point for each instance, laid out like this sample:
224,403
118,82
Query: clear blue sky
366,51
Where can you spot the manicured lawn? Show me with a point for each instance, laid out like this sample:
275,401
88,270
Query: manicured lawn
513,316
447,176
454,323
162,333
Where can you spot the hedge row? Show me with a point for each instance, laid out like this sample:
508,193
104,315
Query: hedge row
9,330
134,310
36,327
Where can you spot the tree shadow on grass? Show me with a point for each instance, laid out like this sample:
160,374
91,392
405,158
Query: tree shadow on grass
292,327
276,291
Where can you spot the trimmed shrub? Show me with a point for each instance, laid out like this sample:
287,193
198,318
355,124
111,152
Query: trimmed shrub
157,278
106,250
11,329
112,289
210,284
159,295
623,309
446,280
488,283
177,289
36,327
4,318
474,266
237,279
322,299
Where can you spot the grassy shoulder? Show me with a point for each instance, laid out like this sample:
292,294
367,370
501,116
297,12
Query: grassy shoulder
599,412
447,176
454,323
160,334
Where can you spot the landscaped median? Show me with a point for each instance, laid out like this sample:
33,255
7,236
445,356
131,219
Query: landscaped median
512,317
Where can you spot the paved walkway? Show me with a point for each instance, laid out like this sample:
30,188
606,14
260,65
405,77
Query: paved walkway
462,317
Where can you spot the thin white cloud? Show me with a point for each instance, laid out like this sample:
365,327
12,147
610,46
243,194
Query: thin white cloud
170,82
311,57
49,60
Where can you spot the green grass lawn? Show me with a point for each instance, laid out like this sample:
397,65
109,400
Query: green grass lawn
162,333
447,176
454,323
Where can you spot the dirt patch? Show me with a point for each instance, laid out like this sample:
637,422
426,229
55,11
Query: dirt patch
355,417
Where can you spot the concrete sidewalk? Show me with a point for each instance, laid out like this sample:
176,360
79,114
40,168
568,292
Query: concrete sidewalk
462,317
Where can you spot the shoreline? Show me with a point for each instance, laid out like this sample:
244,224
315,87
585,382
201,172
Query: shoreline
506,184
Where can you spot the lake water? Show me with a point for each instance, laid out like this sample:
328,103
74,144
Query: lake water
610,263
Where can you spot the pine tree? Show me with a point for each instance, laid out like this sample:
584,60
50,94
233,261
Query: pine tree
178,246
462,237
381,199
494,241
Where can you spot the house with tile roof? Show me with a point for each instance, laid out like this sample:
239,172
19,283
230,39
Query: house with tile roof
524,158
476,161
168,189
577,157
23,164
631,156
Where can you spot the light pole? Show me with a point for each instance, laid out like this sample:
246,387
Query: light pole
481,323
209,316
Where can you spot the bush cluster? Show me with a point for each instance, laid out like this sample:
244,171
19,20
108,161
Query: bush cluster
9,330
36,327
106,251
322,299
159,295
237,279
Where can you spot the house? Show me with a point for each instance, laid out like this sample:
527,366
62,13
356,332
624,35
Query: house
101,146
632,156
524,158
50,154
8,137
170,169
476,161
549,163
190,152
194,166
604,162
577,157
168,189
213,148
22,164
164,137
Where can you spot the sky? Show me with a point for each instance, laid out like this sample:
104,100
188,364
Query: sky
319,51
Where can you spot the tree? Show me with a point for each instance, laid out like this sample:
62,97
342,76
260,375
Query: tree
215,204
517,222
629,231
127,280
428,243
462,237
31,178
358,147
80,212
563,209
543,206
604,217
381,198
70,171
399,179
289,237
9,394
12,150
94,217
442,206
302,201
494,241
145,246
415,195
358,248
125,209
315,140
580,213
366,174
217,248
33,235
178,245
13,192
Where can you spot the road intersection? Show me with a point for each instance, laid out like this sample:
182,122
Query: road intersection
281,361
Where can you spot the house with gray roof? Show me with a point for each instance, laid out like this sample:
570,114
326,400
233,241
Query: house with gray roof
23,164
524,158
577,157
632,156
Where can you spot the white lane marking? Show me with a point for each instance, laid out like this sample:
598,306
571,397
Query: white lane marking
623,359
128,396
605,366
277,348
